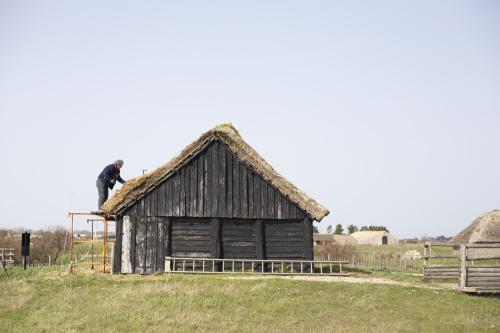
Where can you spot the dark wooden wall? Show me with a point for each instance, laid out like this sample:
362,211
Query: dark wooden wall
154,238
216,184
213,207
238,239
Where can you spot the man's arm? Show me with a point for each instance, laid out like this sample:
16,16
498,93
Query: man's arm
120,179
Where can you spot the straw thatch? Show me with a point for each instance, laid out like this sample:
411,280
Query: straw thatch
135,188
484,229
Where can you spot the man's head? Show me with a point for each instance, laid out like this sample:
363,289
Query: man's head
119,164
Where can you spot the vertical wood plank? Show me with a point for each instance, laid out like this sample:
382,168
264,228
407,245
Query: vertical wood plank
244,191
270,201
251,194
182,197
128,242
200,190
170,196
293,211
176,194
194,187
278,205
117,259
140,255
160,250
147,204
207,207
186,176
256,196
236,189
229,183
154,201
221,206
133,241
284,206
141,211
263,198
151,244
162,202
214,166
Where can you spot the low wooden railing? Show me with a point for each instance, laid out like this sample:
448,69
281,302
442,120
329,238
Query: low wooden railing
255,266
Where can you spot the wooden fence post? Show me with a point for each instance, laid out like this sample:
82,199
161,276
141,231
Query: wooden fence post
463,265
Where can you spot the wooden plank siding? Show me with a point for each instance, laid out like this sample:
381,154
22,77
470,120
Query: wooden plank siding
214,206
238,239
216,184
284,240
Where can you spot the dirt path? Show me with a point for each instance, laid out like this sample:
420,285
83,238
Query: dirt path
351,279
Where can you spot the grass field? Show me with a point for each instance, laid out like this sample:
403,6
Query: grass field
46,299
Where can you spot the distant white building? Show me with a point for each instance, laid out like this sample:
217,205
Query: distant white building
332,239
374,238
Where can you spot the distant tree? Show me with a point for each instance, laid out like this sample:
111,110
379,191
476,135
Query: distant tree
315,230
339,230
329,229
351,228
443,238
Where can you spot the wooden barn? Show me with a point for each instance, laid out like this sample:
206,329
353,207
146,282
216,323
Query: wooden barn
217,199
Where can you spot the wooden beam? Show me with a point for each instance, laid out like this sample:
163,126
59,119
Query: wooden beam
215,246
463,266
308,239
259,239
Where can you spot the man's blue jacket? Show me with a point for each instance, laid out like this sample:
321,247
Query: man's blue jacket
109,175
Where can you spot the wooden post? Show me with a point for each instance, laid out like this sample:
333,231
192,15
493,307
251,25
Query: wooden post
308,240
215,247
259,241
463,265
426,253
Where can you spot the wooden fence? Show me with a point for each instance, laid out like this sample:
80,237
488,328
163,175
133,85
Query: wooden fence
447,266
7,256
479,268
379,264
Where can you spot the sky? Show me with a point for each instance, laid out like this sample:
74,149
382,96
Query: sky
387,112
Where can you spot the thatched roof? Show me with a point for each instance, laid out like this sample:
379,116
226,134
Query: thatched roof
484,229
135,188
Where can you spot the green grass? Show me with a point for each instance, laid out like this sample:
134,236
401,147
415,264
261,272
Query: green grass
46,299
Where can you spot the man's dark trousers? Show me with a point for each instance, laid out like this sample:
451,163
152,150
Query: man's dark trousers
102,190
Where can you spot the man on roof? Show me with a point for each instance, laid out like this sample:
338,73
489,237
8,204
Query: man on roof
107,179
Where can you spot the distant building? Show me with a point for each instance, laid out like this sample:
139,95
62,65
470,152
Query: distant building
332,239
374,238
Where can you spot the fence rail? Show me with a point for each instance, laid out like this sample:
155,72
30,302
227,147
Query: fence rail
484,275
255,266
441,270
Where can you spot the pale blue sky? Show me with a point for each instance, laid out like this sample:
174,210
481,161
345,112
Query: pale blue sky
385,112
